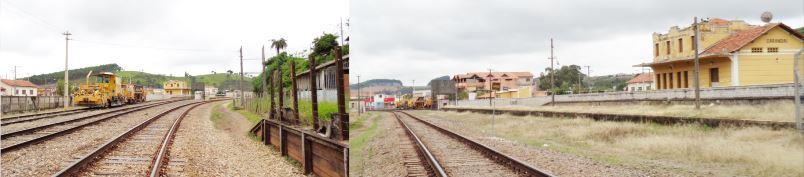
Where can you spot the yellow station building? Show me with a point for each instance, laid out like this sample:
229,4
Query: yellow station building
732,53
176,87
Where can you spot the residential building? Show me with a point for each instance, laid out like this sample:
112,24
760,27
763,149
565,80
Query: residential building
482,82
732,53
210,90
521,92
640,82
17,88
176,87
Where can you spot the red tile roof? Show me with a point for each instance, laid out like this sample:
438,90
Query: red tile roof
742,38
641,78
18,83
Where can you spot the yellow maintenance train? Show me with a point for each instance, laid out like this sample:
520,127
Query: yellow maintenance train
106,90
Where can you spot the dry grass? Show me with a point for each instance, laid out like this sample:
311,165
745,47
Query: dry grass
725,151
773,111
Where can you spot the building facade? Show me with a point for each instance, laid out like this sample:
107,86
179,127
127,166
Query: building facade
732,53
494,81
18,88
176,87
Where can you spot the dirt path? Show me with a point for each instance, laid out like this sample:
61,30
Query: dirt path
212,141
377,147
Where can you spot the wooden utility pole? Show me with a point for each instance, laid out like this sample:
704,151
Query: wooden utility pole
588,75
313,92
797,88
262,94
240,84
281,92
552,77
359,102
66,90
697,66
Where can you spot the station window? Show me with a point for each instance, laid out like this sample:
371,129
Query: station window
773,49
692,41
668,47
756,50
656,50
680,45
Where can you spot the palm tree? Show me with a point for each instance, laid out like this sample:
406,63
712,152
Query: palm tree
279,44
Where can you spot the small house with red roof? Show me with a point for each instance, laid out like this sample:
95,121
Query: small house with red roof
731,53
17,88
640,82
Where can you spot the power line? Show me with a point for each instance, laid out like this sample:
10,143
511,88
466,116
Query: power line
157,48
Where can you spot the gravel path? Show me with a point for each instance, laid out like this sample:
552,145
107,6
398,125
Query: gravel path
202,148
47,158
556,163
381,152
457,158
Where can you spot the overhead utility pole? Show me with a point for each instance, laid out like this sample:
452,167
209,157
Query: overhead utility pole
588,75
697,65
552,77
240,84
66,90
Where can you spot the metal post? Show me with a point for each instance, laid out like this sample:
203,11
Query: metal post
358,97
697,66
799,121
552,78
66,90
340,85
313,93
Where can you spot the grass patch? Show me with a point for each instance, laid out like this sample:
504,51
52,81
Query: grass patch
250,116
325,109
217,116
357,143
726,151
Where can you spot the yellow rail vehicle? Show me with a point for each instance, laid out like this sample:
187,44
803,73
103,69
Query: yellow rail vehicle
100,90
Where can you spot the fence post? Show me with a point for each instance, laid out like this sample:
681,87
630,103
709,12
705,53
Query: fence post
313,93
281,95
307,154
339,84
271,95
294,90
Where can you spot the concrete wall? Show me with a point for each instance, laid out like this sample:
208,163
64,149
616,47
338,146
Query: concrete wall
778,90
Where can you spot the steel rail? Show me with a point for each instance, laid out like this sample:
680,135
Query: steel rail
66,131
161,156
497,156
423,150
122,110
76,167
7,119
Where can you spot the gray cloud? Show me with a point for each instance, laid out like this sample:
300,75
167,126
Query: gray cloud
474,32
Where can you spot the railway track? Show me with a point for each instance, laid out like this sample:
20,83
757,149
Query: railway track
33,117
450,154
22,138
140,151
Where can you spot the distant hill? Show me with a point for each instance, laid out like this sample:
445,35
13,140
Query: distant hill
219,80
438,78
75,74
377,82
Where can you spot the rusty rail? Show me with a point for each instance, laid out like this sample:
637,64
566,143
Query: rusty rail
69,130
713,122
76,167
497,156
423,151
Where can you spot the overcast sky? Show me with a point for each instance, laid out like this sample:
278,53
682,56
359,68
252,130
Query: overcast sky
424,39
157,36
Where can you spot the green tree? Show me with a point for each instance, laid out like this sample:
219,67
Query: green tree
566,77
322,48
279,44
60,88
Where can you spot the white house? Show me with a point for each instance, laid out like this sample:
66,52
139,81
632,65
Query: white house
210,90
17,88
641,82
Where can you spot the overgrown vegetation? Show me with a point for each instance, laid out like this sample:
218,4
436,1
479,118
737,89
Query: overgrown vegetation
360,135
725,151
